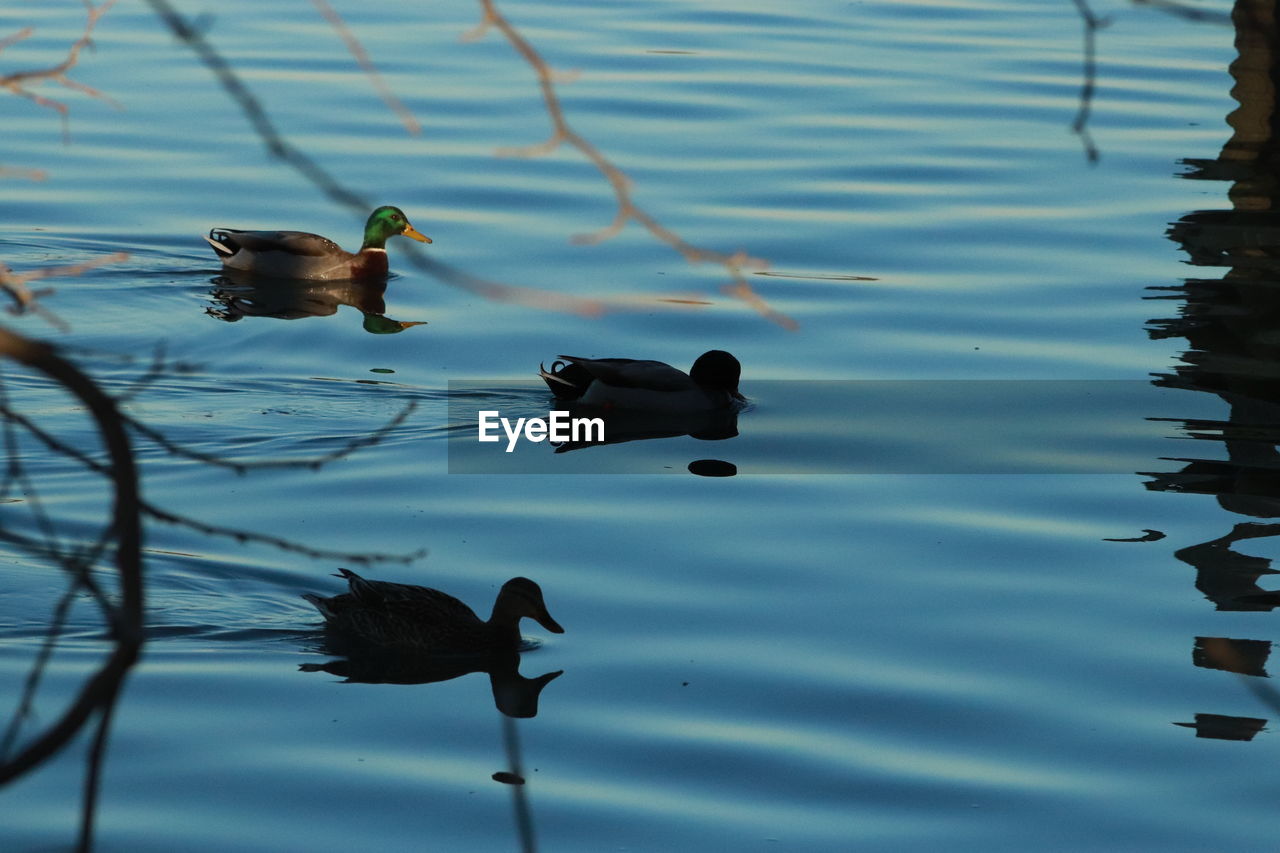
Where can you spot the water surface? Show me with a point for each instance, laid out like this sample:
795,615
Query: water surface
954,651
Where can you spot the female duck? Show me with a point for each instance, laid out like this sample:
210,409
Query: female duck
407,618
624,383
297,254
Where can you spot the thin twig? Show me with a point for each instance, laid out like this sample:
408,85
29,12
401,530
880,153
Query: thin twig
25,299
1080,127
19,81
246,536
93,774
411,124
1182,10
315,462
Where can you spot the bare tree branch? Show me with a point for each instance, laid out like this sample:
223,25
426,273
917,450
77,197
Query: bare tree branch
25,299
361,56
628,210
20,82
126,625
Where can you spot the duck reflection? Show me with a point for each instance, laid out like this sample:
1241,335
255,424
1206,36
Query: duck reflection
395,633
622,425
513,694
236,297
1232,326
1221,727
639,400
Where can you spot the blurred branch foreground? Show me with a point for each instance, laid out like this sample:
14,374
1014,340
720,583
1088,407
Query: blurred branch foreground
122,613
87,559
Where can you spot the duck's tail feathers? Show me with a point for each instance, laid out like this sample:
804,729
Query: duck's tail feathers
549,376
219,247
364,591
319,604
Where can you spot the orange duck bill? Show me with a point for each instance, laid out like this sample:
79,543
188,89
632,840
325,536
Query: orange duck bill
415,234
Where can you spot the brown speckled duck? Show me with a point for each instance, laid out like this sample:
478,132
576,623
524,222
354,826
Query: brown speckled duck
408,618
310,257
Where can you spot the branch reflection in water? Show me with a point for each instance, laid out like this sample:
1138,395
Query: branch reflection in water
1232,326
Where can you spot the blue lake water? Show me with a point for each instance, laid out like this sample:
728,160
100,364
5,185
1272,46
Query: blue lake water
977,358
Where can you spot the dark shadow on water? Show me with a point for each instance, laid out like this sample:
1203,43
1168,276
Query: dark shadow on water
582,428
513,694
622,426
1232,328
233,298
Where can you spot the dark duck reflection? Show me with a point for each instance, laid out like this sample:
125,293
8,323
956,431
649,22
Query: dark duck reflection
394,633
513,694
238,296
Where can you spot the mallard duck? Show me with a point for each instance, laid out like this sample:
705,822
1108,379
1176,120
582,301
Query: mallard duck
624,383
297,254
405,617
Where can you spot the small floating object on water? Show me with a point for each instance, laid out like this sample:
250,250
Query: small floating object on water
405,617
300,255
712,468
508,778
1148,536
626,383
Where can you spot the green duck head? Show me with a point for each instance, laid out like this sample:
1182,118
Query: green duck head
387,222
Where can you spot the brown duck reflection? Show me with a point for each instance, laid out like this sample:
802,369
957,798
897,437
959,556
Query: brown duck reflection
1232,326
237,297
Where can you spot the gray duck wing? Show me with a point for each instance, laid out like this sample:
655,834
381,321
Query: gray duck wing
289,242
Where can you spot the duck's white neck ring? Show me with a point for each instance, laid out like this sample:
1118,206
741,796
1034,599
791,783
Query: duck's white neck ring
372,249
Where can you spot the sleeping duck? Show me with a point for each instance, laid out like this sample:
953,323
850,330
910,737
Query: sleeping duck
407,618
299,255
624,383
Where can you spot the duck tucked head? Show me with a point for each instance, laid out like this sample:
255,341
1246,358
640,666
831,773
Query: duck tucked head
717,370
387,222
520,598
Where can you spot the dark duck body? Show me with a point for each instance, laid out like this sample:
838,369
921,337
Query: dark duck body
632,384
417,619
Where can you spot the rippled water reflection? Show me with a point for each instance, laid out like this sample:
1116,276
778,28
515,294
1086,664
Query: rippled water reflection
1003,640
